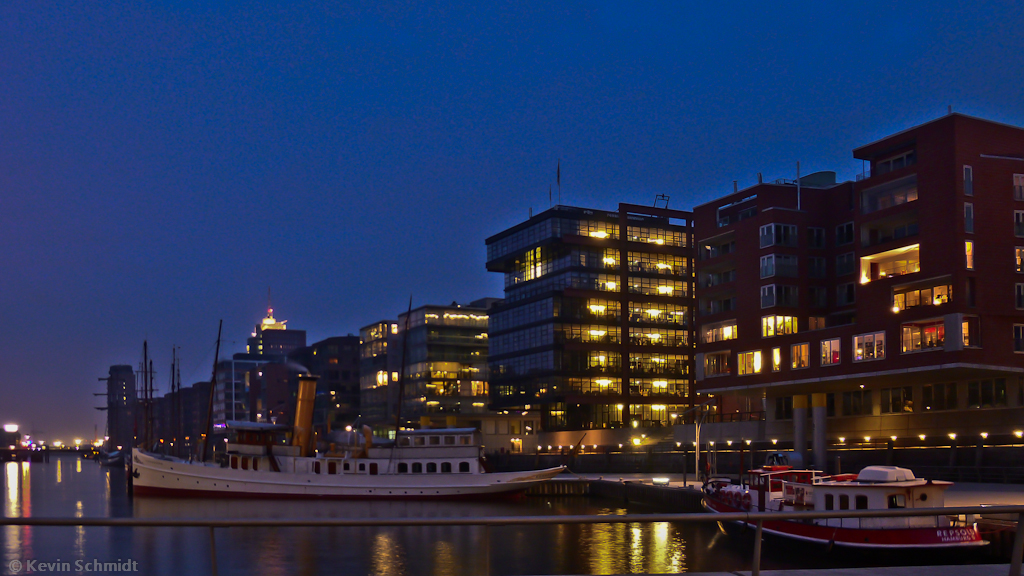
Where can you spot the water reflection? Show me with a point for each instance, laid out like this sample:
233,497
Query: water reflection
662,547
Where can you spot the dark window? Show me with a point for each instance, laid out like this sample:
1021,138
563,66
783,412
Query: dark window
862,502
417,468
446,467
316,467
829,502
844,234
784,408
463,466
431,467
373,468
332,468
939,396
897,501
815,237
857,403
403,468
897,400
817,267
346,467
362,467
844,502
245,465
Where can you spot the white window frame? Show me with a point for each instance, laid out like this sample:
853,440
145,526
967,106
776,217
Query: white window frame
1018,186
792,356
835,345
968,217
873,338
767,261
764,294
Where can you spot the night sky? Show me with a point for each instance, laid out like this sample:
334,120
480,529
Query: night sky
164,164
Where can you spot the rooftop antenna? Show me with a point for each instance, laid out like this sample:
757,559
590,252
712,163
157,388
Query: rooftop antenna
661,198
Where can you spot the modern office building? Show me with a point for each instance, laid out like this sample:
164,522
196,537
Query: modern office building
375,375
336,361
271,341
445,373
596,326
121,406
893,306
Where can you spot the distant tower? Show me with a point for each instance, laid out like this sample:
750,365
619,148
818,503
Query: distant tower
272,337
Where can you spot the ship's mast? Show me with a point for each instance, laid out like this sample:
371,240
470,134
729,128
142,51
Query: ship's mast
209,406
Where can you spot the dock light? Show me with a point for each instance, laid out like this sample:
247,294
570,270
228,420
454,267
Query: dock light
348,428
659,481
921,436
896,309
680,444
559,447
595,446
636,441
1018,433
694,442
748,442
842,439
775,441
10,428
118,446
57,443
952,435
78,442
893,438
549,446
712,442
728,442
984,435
635,423
620,446
867,438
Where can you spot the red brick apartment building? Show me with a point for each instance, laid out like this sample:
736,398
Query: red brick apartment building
893,306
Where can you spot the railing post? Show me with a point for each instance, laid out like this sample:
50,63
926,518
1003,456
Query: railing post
213,553
1018,547
755,568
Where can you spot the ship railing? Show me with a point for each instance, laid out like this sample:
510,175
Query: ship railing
757,519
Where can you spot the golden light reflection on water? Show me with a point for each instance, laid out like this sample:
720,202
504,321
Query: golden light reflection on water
78,468
632,548
79,530
445,561
58,471
388,555
11,477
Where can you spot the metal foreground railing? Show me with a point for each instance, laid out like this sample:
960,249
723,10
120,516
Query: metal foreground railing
756,518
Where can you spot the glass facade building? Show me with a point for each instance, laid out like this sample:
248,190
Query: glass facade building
597,324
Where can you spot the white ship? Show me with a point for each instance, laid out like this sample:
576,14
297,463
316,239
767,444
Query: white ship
433,463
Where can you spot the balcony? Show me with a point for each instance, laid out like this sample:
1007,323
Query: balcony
895,262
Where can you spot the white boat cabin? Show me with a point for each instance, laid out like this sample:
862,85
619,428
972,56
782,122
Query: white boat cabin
430,451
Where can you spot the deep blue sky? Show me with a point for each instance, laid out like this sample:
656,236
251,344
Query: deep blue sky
162,164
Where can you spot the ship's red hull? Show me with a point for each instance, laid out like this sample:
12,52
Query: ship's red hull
878,538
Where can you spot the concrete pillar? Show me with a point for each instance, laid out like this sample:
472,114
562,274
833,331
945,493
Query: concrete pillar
818,407
800,427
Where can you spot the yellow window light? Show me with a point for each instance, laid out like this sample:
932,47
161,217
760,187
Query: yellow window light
597,308
664,289
660,383
598,332
599,234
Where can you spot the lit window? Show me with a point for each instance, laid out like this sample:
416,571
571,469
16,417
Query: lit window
776,359
778,325
924,335
969,252
800,355
749,362
830,352
869,347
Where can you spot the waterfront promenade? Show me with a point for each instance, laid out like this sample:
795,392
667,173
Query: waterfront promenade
959,570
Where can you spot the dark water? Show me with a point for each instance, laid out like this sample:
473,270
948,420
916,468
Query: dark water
70,487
